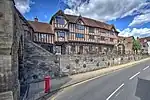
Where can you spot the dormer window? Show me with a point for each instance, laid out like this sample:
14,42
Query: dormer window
60,20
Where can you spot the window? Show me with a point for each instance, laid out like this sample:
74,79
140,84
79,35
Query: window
60,20
71,25
79,27
111,39
36,37
43,36
91,30
78,35
61,34
118,41
91,36
100,49
90,48
102,38
73,48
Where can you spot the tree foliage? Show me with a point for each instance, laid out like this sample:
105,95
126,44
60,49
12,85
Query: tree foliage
136,45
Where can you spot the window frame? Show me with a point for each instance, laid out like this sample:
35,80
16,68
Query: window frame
79,35
93,37
111,40
61,36
80,27
102,38
58,20
93,29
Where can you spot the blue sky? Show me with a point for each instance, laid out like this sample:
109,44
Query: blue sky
131,17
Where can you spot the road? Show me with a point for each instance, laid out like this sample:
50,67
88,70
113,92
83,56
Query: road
120,85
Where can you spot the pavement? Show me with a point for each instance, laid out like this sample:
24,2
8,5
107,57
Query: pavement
119,85
36,90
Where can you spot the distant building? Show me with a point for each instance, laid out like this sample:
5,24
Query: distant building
125,44
145,45
69,34
148,47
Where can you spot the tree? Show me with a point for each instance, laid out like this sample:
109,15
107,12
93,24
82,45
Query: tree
136,45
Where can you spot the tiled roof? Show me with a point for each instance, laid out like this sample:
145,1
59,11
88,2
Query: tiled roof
89,22
41,27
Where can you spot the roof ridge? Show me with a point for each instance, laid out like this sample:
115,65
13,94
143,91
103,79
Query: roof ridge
41,27
88,18
38,22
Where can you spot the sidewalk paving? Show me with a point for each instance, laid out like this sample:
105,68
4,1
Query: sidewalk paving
38,88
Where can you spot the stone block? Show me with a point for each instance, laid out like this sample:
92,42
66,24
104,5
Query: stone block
5,39
9,27
5,44
6,95
2,25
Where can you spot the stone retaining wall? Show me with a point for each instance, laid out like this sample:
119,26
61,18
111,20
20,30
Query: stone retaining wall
83,63
38,62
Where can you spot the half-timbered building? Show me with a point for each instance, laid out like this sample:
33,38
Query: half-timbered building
69,34
43,34
81,35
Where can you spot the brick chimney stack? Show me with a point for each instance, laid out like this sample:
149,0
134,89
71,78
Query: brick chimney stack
36,19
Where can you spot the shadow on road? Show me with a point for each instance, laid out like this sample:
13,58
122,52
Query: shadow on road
143,89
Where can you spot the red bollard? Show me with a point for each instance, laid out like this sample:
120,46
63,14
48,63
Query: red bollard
47,81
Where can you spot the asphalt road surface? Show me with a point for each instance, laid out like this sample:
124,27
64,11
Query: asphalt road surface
120,85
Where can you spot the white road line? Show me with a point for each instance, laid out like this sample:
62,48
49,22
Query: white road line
146,68
119,92
115,91
134,75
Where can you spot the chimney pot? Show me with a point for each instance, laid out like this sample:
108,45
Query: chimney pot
36,19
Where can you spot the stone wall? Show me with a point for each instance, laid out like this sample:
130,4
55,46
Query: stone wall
11,45
83,63
8,49
37,62
6,95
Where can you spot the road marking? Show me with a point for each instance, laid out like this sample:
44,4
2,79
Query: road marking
146,68
134,75
119,92
55,96
115,91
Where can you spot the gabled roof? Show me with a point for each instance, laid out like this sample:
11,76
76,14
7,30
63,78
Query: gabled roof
90,22
41,27
87,21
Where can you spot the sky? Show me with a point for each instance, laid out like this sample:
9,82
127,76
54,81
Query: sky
130,17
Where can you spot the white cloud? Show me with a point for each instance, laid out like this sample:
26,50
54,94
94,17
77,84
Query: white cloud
104,9
23,6
139,10
135,32
140,19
